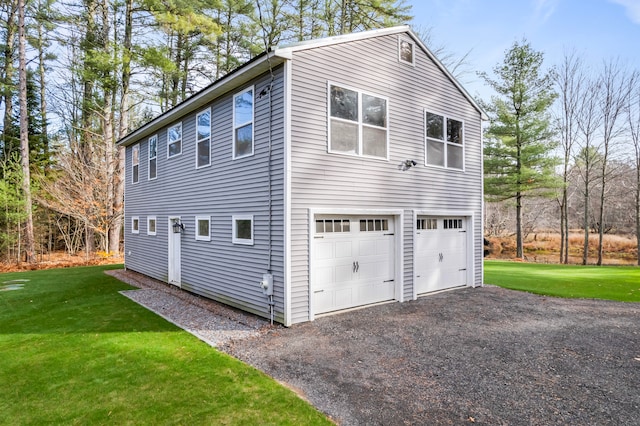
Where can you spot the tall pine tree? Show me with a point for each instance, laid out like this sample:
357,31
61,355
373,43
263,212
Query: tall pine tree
519,140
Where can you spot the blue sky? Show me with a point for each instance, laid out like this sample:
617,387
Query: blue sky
598,30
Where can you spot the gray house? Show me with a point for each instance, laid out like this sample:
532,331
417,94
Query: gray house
319,176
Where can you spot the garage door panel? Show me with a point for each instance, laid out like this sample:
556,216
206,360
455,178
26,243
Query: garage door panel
360,262
441,255
343,249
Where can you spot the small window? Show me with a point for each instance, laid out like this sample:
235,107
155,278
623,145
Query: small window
406,51
174,140
153,157
135,225
332,225
427,224
373,225
151,225
242,229
444,142
203,228
135,171
357,123
243,124
452,224
203,139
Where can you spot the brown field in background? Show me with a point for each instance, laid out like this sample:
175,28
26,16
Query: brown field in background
62,260
544,247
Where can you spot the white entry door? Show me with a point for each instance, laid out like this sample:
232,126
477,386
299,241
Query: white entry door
174,267
353,262
440,253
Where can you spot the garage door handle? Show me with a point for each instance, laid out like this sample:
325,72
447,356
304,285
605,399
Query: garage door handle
441,257
357,266
354,267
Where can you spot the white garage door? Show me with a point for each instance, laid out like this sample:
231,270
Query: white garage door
353,262
440,253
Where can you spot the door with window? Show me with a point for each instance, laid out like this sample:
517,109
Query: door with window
440,253
174,267
353,262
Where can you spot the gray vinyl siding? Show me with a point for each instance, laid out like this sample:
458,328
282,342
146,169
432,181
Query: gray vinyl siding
217,269
323,180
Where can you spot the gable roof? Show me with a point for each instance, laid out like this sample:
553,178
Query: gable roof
273,57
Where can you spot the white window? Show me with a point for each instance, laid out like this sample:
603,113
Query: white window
174,140
452,223
135,225
444,141
358,123
373,225
203,228
332,225
151,225
406,51
203,139
153,157
135,162
242,229
243,123
424,224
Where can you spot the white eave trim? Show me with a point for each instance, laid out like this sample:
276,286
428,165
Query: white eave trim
223,85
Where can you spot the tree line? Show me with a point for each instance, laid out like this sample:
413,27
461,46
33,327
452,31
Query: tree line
568,133
76,76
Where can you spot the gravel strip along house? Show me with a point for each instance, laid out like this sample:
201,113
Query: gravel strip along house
319,176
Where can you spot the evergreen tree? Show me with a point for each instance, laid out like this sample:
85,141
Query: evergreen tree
518,160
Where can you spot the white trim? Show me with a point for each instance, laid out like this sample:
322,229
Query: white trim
197,228
398,216
169,143
149,158
174,246
135,229
237,126
413,51
198,141
361,125
242,241
155,222
469,217
287,194
135,177
444,141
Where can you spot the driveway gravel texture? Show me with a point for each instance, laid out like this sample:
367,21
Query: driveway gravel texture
485,356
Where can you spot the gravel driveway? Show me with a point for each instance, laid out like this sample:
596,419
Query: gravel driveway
485,356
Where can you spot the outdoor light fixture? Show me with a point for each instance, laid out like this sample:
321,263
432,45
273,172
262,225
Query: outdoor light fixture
407,164
177,226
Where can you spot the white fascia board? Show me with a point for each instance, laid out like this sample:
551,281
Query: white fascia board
220,87
288,49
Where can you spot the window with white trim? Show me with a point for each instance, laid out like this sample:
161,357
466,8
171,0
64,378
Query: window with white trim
203,139
332,225
135,225
242,229
406,51
203,228
423,224
243,123
153,157
444,141
174,140
135,163
372,225
151,225
452,223
358,123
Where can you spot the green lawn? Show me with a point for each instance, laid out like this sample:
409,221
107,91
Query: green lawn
75,351
621,283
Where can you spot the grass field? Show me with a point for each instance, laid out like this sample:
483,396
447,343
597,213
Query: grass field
75,351
621,283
